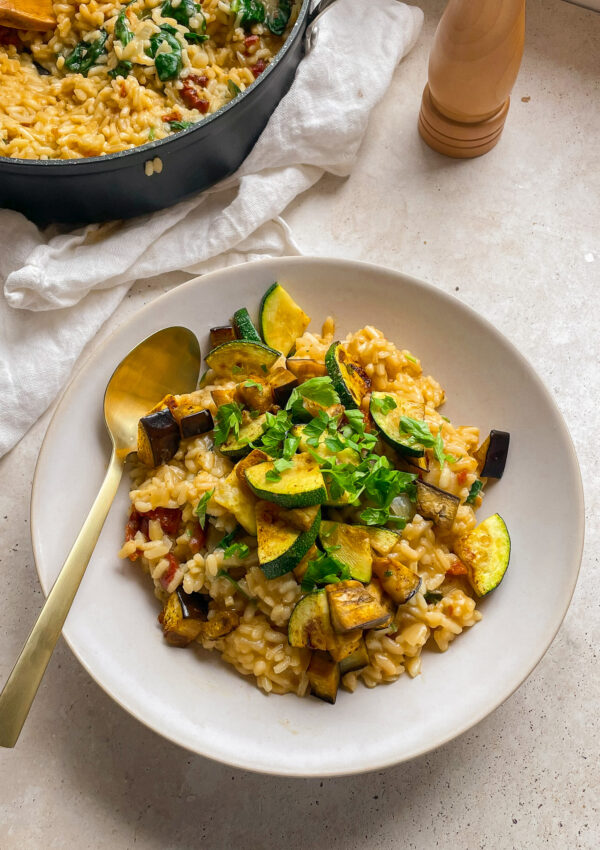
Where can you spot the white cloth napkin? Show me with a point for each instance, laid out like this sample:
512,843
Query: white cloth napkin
60,286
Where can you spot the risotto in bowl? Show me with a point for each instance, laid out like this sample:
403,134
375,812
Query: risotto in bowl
309,513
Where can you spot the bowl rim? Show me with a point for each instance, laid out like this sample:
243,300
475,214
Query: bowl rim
151,146
578,533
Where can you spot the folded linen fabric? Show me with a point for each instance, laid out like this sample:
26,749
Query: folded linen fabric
60,285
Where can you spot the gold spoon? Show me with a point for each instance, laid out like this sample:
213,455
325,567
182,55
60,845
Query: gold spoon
166,362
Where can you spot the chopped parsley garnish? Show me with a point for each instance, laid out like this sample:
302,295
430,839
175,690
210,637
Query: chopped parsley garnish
229,538
324,570
233,89
474,492
235,369
229,418
177,126
251,383
419,432
438,450
201,507
278,426
381,516
236,550
279,466
383,405
411,358
433,596
319,390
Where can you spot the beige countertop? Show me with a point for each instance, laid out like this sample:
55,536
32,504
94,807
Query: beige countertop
516,235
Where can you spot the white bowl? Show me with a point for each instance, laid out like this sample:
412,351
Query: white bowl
196,700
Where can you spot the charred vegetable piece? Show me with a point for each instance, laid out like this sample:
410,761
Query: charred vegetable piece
302,567
357,661
243,324
485,551
238,447
376,590
324,677
283,382
349,379
183,618
352,545
255,394
299,486
382,540
282,321
158,437
220,625
351,607
196,423
304,368
345,456
240,359
219,335
492,454
281,547
341,646
387,419
309,623
255,456
397,581
300,518
235,498
436,505
223,397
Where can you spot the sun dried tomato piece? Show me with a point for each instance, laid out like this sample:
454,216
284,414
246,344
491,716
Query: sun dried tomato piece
192,97
172,116
259,67
199,79
197,538
169,574
169,518
250,40
461,476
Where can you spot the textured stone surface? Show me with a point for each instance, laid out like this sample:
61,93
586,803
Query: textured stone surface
515,235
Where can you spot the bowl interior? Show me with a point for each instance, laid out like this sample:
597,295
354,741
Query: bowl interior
203,704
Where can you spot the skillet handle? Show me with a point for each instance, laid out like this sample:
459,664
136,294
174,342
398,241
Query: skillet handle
312,18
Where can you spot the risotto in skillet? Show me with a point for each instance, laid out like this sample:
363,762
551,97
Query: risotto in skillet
308,513
114,75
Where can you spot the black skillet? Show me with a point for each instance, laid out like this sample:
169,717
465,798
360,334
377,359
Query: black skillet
117,185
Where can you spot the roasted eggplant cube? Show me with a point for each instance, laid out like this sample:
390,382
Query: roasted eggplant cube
220,334
436,505
304,368
194,606
352,607
492,454
324,677
341,646
158,437
180,629
283,382
221,397
195,422
358,660
254,394
221,624
399,582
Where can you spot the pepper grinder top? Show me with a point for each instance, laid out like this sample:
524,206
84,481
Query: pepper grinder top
473,65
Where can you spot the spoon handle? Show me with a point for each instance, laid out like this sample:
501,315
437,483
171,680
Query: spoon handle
24,680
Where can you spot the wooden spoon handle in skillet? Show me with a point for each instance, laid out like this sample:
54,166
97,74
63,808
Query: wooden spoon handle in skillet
27,14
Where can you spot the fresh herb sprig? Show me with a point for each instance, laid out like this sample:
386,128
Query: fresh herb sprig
419,433
325,569
202,505
476,487
229,418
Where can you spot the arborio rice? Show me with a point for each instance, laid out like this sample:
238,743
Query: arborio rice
59,100
250,611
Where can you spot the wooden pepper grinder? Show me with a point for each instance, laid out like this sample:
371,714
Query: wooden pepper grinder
473,65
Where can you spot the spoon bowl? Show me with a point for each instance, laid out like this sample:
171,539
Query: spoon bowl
167,361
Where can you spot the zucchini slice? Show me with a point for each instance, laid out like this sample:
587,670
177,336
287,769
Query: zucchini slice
485,552
492,454
397,581
217,336
240,359
309,623
281,547
352,607
238,447
345,456
353,547
436,505
244,326
324,677
349,379
357,661
382,540
389,423
234,497
282,321
298,487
